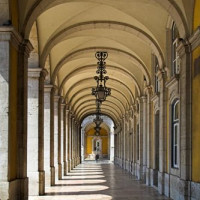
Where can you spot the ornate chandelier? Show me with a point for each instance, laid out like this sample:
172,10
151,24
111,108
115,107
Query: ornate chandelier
101,91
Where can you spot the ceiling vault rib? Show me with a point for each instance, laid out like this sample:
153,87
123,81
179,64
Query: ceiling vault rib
94,49
89,95
83,68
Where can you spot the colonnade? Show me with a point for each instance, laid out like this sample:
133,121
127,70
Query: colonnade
39,135
144,136
53,134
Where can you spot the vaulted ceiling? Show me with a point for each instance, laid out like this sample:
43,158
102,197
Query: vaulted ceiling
70,32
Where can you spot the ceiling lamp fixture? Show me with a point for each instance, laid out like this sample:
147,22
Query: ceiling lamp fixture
101,91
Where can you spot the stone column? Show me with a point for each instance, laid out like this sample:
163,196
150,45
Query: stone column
41,132
124,142
82,144
140,164
72,143
56,139
69,142
33,145
52,163
47,104
144,99
13,124
78,145
65,142
148,134
162,133
184,51
60,137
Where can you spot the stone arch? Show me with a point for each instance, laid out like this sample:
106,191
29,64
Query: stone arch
83,68
40,6
89,95
138,62
105,24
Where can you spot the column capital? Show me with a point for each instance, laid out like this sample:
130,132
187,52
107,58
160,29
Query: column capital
67,107
34,72
48,88
56,98
161,74
143,99
184,47
44,73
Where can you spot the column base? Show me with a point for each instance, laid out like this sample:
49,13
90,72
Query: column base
65,163
195,190
144,167
133,168
161,182
41,182
148,180
4,190
166,185
69,165
18,189
47,176
52,176
34,183
59,171
154,178
72,164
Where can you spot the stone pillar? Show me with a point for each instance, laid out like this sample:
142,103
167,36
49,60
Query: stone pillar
13,124
78,145
47,103
56,139
41,132
124,142
144,99
65,142
184,51
148,134
52,163
140,164
33,131
60,137
162,133
72,143
69,142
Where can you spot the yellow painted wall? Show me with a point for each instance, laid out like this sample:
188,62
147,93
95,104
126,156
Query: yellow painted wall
196,105
196,123
90,133
196,15
14,13
13,114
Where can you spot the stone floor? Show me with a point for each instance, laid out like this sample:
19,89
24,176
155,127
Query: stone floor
99,181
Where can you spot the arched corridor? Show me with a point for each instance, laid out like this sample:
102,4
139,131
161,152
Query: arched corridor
114,81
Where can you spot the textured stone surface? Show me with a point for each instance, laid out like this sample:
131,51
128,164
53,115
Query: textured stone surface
195,190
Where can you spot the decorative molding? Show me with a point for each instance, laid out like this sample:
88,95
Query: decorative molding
48,88
156,102
173,88
56,98
34,72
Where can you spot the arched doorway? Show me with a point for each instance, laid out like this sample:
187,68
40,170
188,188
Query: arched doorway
102,144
